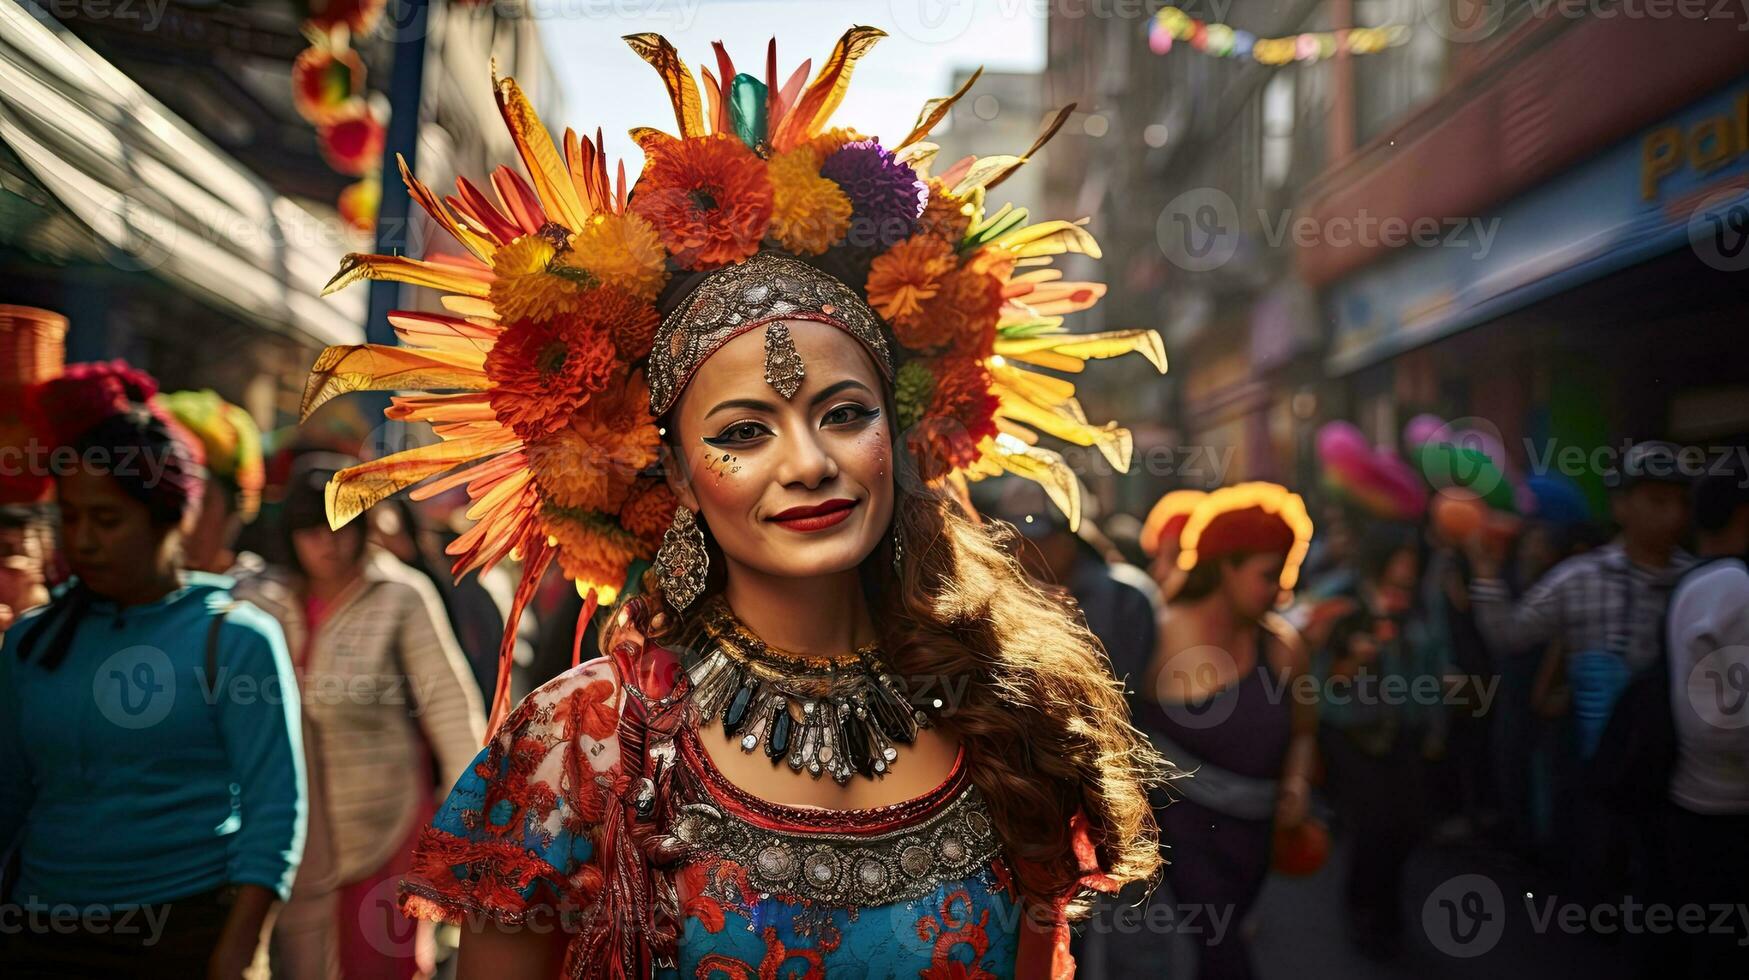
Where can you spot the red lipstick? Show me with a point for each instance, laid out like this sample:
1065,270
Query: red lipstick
815,517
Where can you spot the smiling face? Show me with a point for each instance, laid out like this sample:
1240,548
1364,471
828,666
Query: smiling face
795,487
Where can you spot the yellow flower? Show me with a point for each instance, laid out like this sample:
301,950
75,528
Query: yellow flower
809,213
621,250
525,290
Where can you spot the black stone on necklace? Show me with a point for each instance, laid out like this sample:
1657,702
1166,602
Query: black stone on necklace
841,717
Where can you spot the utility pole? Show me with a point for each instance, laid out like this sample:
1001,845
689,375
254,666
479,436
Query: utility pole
409,22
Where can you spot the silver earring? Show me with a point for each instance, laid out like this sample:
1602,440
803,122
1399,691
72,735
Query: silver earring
898,552
682,560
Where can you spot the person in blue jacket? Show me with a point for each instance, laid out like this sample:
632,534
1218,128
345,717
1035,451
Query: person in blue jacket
151,770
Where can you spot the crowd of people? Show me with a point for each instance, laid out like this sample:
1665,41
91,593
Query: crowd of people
1566,692
218,710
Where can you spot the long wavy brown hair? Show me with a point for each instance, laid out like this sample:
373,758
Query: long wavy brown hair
1044,722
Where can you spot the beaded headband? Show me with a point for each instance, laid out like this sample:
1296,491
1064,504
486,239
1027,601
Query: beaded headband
766,288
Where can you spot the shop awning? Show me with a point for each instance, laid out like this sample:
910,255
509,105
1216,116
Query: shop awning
165,199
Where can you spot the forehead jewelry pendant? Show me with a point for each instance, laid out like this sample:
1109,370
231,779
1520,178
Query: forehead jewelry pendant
783,365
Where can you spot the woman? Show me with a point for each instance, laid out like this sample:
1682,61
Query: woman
388,695
177,796
1380,749
1223,708
838,731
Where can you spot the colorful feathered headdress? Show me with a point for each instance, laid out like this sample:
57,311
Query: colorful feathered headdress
540,374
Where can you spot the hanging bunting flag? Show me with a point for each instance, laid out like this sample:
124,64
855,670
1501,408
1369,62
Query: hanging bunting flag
1171,26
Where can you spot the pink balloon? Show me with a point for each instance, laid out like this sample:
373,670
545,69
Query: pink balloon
1421,429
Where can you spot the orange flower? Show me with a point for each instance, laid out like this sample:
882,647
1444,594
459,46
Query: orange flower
961,415
525,289
902,278
809,212
593,550
943,215
630,321
649,510
708,197
541,371
592,462
622,249
963,315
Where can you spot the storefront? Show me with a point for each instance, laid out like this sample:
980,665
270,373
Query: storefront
1627,266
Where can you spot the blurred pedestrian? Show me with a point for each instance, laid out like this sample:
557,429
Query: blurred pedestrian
1606,609
475,605
387,695
235,475
1701,853
26,531
1113,596
1379,738
1217,703
181,796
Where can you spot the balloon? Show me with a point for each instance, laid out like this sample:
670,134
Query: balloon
1301,850
1466,472
1558,500
1457,518
1375,479
1420,430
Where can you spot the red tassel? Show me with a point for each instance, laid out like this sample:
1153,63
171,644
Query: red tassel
583,617
534,566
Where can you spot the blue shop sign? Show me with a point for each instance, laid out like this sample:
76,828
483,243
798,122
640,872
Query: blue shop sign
1683,183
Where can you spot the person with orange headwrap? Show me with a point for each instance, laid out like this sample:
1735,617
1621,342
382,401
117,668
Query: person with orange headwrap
1215,701
1159,538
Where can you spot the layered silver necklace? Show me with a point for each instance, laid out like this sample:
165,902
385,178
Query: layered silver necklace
842,716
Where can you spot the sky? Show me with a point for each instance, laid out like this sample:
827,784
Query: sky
606,85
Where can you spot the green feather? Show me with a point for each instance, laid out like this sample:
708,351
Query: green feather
747,110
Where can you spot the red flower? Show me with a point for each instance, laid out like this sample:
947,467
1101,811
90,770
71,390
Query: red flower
962,413
709,199
543,371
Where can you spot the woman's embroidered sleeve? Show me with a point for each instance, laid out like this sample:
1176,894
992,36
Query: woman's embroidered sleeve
518,837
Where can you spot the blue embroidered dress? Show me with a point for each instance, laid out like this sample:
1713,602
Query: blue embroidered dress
753,889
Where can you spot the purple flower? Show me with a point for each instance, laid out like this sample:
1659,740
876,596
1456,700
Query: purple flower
886,198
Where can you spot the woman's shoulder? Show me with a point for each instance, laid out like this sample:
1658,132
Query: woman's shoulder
591,697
